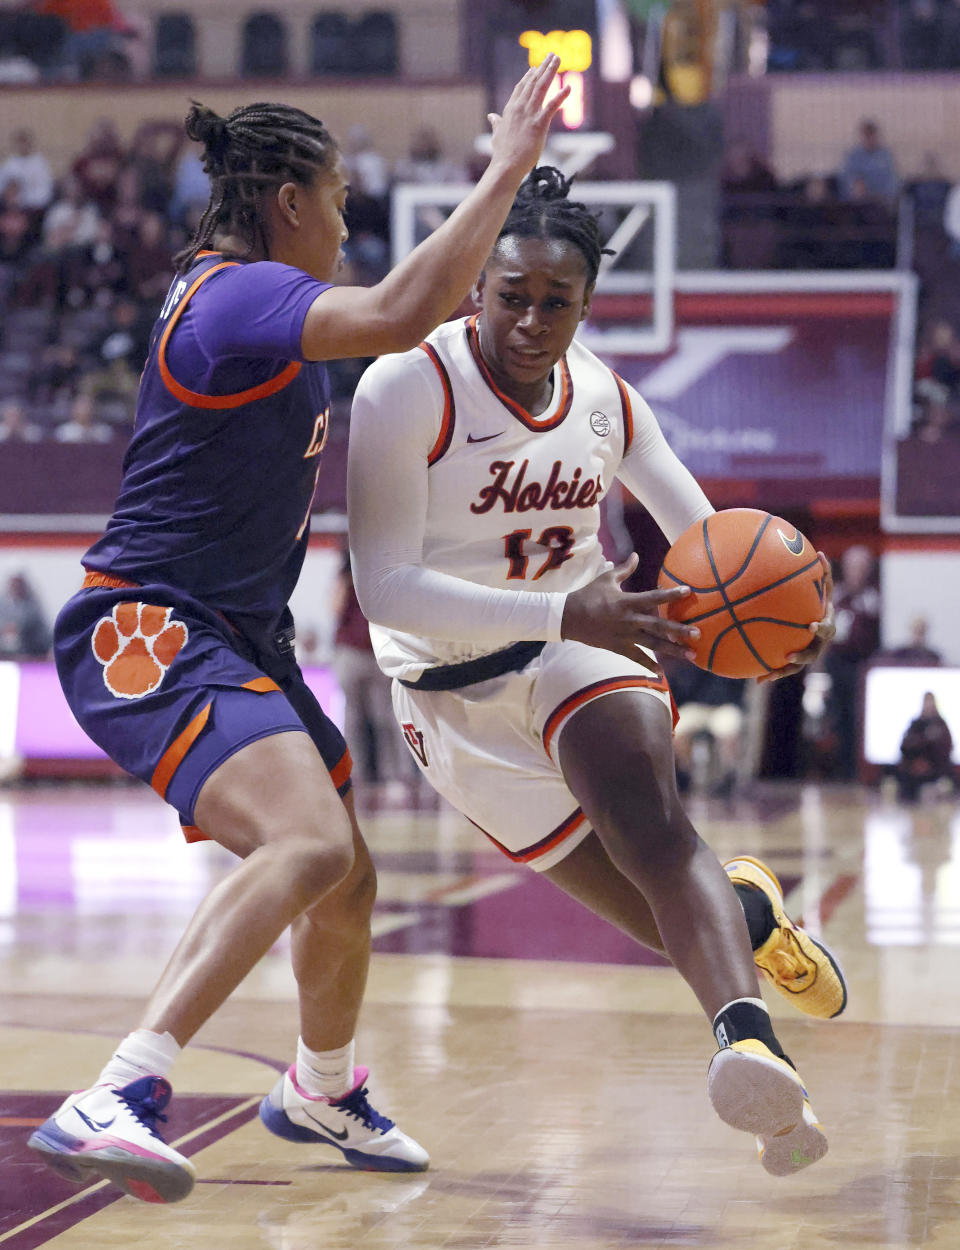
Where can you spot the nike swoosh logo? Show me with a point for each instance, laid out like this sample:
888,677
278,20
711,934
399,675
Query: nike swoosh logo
341,1136
483,438
795,544
94,1124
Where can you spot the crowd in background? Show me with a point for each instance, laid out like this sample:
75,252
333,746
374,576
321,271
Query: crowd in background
839,219
85,261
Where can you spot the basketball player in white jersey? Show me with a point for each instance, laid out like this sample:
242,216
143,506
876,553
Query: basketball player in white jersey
525,680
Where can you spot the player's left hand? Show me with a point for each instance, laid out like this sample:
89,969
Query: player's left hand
823,631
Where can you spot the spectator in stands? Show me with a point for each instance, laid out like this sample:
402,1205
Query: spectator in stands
367,167
743,172
191,186
809,227
153,157
128,212
24,630
70,224
426,162
869,238
915,650
98,167
57,378
31,169
937,367
925,752
368,214
936,419
15,427
148,261
871,163
94,26
83,427
710,714
122,352
73,220
370,727
856,600
17,233
106,271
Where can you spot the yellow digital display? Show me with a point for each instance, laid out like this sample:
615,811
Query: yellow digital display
573,47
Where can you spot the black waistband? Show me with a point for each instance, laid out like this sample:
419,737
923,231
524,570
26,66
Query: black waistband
453,676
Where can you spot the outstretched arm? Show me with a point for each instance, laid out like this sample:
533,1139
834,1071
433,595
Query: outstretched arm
429,284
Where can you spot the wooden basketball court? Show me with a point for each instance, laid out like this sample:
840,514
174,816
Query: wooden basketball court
555,1072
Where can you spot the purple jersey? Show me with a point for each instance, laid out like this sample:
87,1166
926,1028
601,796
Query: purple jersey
221,470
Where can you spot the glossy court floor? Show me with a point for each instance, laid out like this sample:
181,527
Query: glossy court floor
555,1072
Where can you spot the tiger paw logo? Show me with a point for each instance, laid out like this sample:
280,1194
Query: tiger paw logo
136,644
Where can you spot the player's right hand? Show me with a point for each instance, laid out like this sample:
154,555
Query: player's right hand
520,133
601,614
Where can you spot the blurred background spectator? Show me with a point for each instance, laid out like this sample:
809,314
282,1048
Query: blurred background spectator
24,631
868,170
15,427
857,607
370,727
28,168
708,738
191,186
95,30
915,650
82,425
99,165
426,160
925,753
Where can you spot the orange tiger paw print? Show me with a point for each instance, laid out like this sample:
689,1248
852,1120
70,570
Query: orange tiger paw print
136,644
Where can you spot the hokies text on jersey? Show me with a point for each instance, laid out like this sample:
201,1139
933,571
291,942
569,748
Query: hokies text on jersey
517,495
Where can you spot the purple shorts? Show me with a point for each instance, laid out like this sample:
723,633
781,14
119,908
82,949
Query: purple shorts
169,691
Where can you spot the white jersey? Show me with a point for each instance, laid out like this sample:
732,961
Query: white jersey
470,519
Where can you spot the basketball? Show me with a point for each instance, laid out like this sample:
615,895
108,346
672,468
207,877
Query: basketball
757,587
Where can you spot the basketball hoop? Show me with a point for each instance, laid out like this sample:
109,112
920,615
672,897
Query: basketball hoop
569,151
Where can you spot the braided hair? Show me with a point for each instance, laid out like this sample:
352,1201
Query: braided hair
255,148
541,210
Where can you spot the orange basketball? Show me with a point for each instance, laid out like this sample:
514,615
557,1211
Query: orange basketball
757,587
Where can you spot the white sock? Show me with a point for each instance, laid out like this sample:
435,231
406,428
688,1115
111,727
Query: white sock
141,1053
325,1072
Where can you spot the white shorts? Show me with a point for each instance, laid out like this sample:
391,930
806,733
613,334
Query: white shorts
491,748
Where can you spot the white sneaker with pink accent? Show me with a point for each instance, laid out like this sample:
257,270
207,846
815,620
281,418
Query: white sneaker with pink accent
111,1133
367,1139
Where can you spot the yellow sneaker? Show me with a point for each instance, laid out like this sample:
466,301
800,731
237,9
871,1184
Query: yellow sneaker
795,1148
753,1090
802,968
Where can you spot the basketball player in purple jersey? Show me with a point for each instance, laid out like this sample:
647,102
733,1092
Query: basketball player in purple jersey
476,555
176,656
